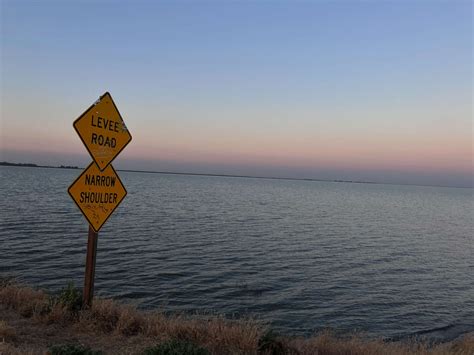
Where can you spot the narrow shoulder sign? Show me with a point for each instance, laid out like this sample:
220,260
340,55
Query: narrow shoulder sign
103,131
97,194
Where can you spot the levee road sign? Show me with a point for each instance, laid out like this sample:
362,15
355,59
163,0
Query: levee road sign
102,130
97,194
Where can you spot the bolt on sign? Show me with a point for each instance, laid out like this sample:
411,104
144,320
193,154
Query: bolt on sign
102,130
97,194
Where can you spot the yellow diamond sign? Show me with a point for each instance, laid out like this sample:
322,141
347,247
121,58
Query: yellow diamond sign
103,131
97,194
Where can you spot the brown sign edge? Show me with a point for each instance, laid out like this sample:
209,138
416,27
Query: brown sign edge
83,142
80,209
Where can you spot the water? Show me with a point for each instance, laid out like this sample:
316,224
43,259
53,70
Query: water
387,260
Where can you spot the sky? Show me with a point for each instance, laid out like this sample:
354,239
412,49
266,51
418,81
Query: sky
352,90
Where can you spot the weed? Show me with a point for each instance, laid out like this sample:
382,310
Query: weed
269,344
70,298
72,349
176,347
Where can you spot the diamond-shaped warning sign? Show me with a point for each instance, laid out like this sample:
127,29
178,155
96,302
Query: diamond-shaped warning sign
103,131
97,194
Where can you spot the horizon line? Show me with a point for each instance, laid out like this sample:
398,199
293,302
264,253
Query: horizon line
32,165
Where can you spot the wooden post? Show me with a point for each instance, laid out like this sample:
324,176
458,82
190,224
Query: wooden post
90,268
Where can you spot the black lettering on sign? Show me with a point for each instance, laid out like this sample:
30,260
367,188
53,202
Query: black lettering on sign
103,141
105,123
97,180
98,197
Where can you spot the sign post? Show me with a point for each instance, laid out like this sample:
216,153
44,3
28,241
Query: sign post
90,267
98,190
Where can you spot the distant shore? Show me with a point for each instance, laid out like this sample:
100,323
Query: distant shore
31,165
34,322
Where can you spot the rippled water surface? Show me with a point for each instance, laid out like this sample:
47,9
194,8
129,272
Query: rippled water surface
384,259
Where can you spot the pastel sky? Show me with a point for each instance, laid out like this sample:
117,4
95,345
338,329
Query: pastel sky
358,90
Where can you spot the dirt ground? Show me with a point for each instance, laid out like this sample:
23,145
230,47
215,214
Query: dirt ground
19,335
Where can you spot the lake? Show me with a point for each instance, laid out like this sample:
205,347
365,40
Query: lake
391,261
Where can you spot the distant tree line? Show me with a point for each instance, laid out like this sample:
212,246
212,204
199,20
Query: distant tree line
18,164
31,165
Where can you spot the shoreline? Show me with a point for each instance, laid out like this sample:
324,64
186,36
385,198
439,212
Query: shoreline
33,321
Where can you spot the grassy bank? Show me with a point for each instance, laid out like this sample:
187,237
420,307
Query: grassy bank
34,322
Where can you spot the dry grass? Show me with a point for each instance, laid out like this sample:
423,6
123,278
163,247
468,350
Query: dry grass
7,333
217,334
112,321
326,343
25,300
6,348
110,317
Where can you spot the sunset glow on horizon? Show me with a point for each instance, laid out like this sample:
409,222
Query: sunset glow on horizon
345,90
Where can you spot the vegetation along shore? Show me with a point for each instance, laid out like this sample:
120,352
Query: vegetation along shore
35,322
